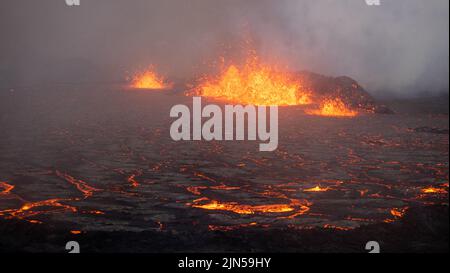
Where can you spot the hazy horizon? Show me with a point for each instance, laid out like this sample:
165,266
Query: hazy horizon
401,46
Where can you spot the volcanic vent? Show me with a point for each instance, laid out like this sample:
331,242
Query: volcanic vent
259,83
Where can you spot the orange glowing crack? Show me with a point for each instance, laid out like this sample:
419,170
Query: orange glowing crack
7,188
79,184
234,227
55,205
225,187
132,179
27,209
197,189
329,226
203,176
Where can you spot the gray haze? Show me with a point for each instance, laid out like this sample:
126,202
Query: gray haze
401,46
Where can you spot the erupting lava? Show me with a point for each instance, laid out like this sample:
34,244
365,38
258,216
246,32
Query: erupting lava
333,108
254,83
149,79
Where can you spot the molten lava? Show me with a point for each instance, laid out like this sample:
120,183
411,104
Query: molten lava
295,205
26,210
245,209
316,189
132,180
149,79
434,190
333,108
256,84
82,186
398,212
7,188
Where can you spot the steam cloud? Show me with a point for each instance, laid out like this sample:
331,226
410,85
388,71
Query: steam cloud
401,46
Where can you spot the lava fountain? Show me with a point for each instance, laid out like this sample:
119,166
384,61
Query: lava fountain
254,83
149,79
334,108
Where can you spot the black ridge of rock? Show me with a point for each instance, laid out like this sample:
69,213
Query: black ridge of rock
345,88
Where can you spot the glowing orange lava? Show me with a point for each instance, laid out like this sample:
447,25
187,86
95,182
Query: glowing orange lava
433,190
398,212
336,227
149,79
251,209
82,186
132,179
256,84
26,210
7,188
234,227
316,189
333,108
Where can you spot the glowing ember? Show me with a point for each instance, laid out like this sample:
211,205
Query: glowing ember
149,80
433,190
255,84
333,108
316,189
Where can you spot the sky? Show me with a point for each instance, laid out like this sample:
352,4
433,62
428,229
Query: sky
400,47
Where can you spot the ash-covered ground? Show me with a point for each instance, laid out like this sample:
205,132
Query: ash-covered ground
95,163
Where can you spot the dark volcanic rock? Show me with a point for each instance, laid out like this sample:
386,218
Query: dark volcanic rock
431,130
423,229
345,88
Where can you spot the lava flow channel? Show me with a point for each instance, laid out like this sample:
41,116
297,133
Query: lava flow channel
297,206
82,186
